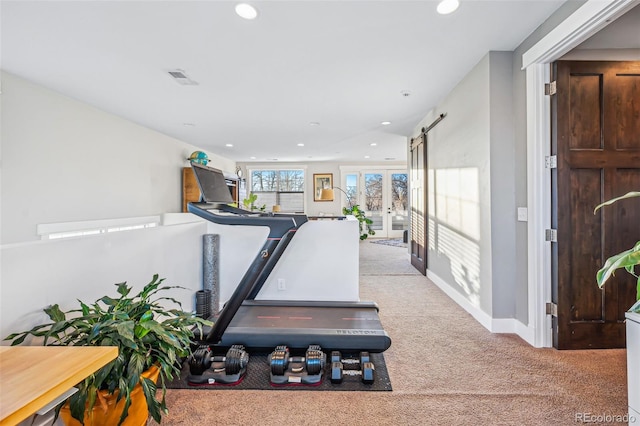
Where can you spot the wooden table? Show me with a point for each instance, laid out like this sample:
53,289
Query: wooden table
33,376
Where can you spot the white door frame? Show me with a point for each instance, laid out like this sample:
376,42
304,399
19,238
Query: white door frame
388,198
386,170
582,24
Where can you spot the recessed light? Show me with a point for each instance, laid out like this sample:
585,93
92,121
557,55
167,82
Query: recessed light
229,145
246,11
373,144
189,124
300,144
314,123
385,123
447,6
366,156
252,158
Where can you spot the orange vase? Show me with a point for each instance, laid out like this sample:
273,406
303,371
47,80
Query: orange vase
138,411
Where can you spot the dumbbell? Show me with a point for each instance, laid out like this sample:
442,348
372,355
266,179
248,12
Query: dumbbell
200,360
336,367
279,360
366,369
235,360
314,360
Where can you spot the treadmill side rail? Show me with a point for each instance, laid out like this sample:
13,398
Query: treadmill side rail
374,341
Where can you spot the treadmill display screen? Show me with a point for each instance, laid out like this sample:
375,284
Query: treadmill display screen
212,184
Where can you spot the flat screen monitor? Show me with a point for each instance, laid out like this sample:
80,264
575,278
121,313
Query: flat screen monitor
213,186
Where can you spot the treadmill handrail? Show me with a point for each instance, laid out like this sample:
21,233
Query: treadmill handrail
278,225
282,228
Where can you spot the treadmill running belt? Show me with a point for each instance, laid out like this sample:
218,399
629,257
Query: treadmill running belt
293,317
265,327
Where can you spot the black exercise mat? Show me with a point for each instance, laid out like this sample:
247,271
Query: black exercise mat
258,377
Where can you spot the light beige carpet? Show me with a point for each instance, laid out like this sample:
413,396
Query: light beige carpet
445,368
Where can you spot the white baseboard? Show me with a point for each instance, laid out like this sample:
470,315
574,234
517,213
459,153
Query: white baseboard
494,325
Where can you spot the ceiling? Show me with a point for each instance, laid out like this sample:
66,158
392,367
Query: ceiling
325,74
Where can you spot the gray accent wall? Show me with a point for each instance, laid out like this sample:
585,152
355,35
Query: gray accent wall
471,185
503,182
459,210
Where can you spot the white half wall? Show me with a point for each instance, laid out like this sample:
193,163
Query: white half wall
320,263
41,273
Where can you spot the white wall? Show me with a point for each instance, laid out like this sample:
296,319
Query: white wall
320,263
65,161
40,273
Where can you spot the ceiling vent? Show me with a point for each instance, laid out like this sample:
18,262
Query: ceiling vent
180,77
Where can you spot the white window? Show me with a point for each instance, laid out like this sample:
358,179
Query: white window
278,187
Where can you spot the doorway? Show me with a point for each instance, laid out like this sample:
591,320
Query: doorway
596,138
585,22
383,196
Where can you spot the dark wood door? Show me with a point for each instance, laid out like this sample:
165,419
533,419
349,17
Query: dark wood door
596,136
419,203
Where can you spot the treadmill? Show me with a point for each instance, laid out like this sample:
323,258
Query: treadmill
265,324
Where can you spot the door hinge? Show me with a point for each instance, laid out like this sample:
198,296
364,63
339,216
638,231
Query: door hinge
550,88
551,162
552,309
551,235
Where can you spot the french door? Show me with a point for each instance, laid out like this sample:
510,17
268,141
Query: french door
384,197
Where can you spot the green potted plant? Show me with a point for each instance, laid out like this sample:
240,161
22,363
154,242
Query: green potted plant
628,260
364,222
249,203
151,341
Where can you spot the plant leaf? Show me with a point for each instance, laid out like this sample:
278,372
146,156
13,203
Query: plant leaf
123,289
149,389
607,203
54,312
626,259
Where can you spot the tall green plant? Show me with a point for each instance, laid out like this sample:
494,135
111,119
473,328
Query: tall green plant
249,203
144,331
363,221
627,259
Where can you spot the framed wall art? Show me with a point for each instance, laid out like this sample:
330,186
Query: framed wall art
322,181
